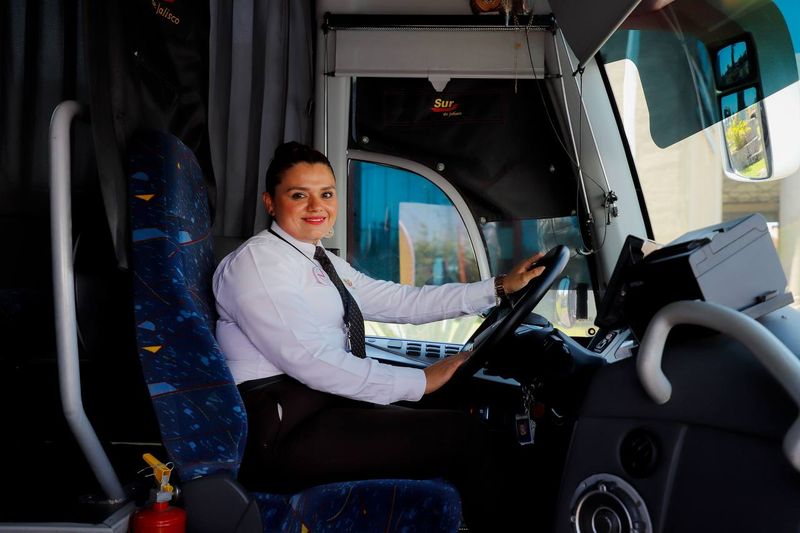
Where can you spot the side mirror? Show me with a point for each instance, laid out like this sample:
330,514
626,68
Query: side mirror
734,65
758,126
745,134
743,125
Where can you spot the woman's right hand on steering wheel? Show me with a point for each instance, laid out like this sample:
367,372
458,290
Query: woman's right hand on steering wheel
521,274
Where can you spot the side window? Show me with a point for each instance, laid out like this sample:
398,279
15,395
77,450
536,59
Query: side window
403,228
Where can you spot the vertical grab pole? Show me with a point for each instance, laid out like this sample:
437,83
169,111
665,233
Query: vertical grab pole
64,301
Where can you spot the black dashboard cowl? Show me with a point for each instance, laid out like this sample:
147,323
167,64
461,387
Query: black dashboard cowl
716,382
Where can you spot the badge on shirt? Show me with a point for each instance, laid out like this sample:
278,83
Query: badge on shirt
321,276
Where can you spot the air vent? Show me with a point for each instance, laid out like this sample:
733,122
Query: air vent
433,350
451,350
413,348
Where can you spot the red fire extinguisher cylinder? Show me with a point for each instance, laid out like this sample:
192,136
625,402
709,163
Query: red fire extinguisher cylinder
161,517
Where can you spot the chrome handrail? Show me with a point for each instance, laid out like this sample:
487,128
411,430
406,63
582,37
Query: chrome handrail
64,301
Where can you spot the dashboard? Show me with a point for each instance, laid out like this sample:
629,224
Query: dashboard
612,345
420,354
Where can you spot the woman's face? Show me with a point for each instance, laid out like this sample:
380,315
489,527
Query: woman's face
305,201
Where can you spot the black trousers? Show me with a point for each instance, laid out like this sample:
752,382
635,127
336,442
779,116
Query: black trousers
323,438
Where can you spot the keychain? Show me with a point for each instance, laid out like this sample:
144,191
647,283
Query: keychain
525,426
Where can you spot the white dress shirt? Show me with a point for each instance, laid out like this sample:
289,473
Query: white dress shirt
280,313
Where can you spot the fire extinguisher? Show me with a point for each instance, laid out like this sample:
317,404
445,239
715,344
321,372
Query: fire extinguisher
160,517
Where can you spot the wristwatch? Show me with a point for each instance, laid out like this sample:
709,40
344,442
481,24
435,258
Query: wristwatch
499,290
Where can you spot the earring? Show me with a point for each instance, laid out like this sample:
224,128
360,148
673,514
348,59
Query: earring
329,234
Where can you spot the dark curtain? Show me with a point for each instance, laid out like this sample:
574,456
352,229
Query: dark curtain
262,85
41,64
134,64
148,70
137,67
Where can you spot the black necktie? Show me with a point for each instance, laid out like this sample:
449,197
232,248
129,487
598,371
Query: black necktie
353,319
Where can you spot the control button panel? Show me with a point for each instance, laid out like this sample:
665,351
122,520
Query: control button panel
613,344
601,343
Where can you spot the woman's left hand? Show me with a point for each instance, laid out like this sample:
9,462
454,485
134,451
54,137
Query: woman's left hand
442,370
521,274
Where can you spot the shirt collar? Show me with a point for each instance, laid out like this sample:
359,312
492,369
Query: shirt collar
301,245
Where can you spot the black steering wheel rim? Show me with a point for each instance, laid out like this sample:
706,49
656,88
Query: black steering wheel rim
554,262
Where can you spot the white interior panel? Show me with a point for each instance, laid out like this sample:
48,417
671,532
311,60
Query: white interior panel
437,53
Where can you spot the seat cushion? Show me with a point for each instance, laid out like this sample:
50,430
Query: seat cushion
368,505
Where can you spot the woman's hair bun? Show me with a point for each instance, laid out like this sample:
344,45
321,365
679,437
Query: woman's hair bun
288,155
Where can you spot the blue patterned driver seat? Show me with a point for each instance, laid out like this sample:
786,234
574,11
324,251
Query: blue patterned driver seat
200,413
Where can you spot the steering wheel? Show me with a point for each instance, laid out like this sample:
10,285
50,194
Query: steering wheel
484,342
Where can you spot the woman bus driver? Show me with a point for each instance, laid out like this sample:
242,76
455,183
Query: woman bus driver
293,338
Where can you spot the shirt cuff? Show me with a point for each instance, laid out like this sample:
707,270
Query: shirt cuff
409,383
481,294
